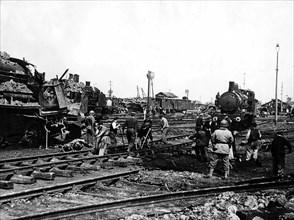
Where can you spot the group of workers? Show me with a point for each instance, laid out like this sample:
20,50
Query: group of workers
223,147
101,137
210,138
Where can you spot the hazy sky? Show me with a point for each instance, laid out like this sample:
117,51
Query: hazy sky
190,45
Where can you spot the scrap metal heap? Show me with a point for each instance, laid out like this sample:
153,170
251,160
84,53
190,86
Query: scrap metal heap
28,104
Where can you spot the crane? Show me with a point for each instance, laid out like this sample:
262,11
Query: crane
138,93
143,93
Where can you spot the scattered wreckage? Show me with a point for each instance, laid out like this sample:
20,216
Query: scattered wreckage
30,107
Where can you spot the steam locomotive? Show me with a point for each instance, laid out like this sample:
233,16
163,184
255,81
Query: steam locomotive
239,105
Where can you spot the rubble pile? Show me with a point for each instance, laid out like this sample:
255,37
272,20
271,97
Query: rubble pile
11,86
72,86
7,65
234,206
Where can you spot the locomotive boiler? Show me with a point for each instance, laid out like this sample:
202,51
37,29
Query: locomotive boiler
239,105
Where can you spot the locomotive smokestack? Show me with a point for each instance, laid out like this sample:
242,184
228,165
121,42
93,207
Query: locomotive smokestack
233,86
76,78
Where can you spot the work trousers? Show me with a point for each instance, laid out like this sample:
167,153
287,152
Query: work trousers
214,159
278,164
131,136
252,150
200,152
164,135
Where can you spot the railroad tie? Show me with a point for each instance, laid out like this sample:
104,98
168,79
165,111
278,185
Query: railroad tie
6,184
62,173
21,179
43,175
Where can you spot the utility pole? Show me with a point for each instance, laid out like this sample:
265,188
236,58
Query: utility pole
276,91
282,97
152,88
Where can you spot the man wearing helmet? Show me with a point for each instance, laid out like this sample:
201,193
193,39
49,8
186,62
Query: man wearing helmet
222,140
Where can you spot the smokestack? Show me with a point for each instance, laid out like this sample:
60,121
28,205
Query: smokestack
76,78
233,86
70,76
88,83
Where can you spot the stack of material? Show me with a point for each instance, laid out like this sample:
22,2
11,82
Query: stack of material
14,93
72,86
9,66
11,86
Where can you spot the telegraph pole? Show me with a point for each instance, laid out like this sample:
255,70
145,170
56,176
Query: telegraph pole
282,97
276,93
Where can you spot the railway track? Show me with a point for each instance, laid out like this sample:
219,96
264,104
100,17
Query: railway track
26,170
252,186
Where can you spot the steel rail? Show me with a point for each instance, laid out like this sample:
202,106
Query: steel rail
64,186
67,162
58,163
42,156
147,200
69,153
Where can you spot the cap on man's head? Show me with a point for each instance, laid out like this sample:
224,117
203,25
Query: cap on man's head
133,113
91,112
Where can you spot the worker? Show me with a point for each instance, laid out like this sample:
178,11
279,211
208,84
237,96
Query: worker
114,126
145,133
277,148
164,128
102,139
222,140
253,144
199,120
90,128
131,124
201,142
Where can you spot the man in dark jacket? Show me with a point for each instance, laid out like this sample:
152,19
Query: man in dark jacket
278,151
131,124
145,133
201,141
253,139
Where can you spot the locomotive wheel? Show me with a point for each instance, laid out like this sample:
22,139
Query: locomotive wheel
32,134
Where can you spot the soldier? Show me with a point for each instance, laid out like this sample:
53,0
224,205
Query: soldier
222,140
131,124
